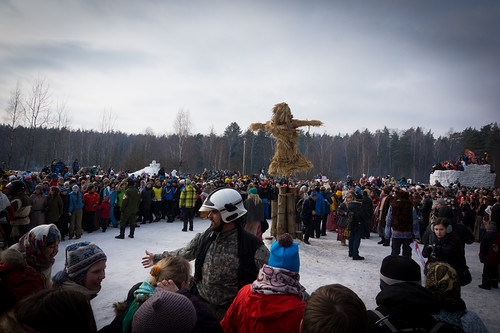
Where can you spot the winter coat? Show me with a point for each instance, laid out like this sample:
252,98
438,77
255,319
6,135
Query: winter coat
255,208
445,249
307,208
90,201
407,227
104,209
255,313
489,238
320,205
72,285
38,208
354,206
147,196
54,209
407,305
157,191
187,198
17,279
217,268
19,213
468,321
139,293
131,200
75,201
168,193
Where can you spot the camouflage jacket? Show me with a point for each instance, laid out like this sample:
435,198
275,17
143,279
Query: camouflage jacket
219,282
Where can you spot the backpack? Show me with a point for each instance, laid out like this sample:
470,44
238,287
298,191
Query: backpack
439,326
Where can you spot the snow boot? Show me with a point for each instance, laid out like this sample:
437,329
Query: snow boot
122,233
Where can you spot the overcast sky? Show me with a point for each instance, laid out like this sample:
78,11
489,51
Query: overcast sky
351,64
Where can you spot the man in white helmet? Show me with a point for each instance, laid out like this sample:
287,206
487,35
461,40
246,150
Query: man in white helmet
227,257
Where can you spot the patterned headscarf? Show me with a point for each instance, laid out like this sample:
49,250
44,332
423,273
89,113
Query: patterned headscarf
443,282
34,243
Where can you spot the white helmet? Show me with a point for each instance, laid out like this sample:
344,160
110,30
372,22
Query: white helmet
227,201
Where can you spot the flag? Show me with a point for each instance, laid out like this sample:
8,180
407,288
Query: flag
414,245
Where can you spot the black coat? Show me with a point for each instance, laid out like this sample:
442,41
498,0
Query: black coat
407,304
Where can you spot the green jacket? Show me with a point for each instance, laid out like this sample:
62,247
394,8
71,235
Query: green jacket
131,200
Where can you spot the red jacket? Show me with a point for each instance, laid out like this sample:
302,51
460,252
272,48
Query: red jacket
258,313
90,201
104,210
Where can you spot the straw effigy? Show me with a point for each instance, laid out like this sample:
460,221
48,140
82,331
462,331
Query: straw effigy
287,158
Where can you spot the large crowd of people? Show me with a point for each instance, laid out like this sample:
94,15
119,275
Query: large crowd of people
235,272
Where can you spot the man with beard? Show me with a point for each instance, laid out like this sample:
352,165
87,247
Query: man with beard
227,257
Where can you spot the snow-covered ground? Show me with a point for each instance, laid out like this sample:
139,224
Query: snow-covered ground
325,261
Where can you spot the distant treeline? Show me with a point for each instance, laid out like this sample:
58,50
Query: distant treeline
410,153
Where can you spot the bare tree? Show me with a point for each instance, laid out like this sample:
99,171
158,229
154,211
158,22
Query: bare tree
102,147
14,111
61,124
182,127
37,113
108,121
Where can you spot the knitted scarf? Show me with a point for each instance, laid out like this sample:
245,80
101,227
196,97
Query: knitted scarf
277,281
142,293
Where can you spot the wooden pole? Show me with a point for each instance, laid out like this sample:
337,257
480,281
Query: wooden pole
290,211
281,227
274,217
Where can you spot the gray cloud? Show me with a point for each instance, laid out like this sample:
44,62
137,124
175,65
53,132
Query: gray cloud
353,65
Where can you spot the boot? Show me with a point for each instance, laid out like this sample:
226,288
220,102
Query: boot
185,226
382,241
122,233
387,242
342,242
132,231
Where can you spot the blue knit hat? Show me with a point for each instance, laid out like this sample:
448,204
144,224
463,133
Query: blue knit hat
285,254
80,257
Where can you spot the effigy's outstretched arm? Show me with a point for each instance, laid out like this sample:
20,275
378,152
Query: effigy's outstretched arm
257,126
299,123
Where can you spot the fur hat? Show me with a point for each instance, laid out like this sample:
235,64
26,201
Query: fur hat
80,257
165,311
396,269
284,253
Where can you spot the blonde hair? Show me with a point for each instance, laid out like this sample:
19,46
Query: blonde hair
176,269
